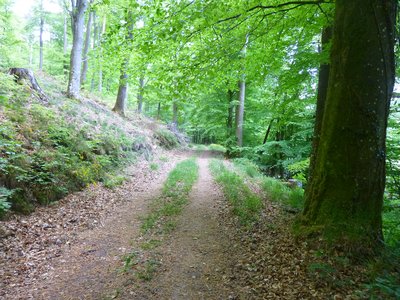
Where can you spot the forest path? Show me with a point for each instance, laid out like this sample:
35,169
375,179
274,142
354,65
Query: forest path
73,250
194,256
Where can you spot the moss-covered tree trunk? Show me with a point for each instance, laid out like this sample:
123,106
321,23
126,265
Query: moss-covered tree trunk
344,196
323,79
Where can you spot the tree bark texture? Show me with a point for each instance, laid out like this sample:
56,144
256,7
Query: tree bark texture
122,96
41,40
65,46
231,106
86,49
120,103
242,95
101,32
94,46
77,23
21,74
240,113
345,193
140,94
323,79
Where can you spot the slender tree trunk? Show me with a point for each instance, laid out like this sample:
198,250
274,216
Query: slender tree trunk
159,111
122,96
268,131
65,46
242,96
94,45
240,113
175,114
345,193
86,49
41,40
140,94
101,32
77,19
231,106
236,117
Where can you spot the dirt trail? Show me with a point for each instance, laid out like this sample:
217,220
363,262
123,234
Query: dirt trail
207,256
87,265
194,256
90,268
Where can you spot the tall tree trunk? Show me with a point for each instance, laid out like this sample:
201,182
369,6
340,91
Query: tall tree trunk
77,21
175,114
236,118
120,103
159,111
242,96
345,193
65,46
41,39
94,45
140,94
101,32
240,113
231,106
86,49
323,79
122,96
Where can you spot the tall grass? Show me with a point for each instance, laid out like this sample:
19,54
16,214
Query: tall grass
245,204
278,192
274,189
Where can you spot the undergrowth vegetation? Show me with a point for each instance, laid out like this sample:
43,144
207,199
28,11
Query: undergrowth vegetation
275,189
245,204
215,148
278,192
385,269
49,150
166,139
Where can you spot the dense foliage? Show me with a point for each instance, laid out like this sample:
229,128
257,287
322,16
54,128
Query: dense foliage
47,151
186,63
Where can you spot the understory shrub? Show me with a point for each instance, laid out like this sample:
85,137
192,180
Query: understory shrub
44,154
4,204
217,148
166,138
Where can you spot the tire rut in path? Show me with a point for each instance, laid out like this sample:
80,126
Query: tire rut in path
194,256
89,269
